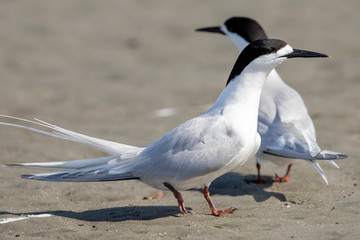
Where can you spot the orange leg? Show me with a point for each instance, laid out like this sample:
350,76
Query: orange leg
283,179
259,178
178,196
216,212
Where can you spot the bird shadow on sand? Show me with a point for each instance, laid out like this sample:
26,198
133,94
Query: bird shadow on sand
230,184
235,184
116,214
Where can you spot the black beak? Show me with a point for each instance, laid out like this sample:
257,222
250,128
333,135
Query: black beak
210,29
297,53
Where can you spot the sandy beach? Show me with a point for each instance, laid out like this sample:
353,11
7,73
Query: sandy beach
129,71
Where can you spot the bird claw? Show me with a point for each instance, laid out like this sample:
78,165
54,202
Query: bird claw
183,209
281,179
219,212
185,212
284,179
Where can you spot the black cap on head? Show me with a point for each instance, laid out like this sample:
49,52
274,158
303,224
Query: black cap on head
248,28
253,50
266,46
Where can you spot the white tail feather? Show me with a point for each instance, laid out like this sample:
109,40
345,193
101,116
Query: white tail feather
112,148
121,157
66,165
316,165
333,163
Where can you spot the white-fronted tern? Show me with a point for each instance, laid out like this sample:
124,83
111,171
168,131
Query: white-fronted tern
286,129
193,154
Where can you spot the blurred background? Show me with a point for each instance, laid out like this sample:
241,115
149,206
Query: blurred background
131,70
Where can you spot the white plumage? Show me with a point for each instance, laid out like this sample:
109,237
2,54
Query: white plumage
285,127
191,155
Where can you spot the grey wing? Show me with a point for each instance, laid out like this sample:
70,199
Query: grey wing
286,128
195,148
290,139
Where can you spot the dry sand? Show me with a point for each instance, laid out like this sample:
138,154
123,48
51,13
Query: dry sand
104,68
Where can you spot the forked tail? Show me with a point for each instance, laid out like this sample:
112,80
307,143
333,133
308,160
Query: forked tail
121,157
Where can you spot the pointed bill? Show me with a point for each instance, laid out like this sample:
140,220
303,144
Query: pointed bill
298,53
216,29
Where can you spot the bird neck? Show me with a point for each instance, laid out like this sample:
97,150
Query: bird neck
239,104
244,90
239,42
275,86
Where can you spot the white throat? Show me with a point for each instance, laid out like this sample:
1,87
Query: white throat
245,90
239,41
